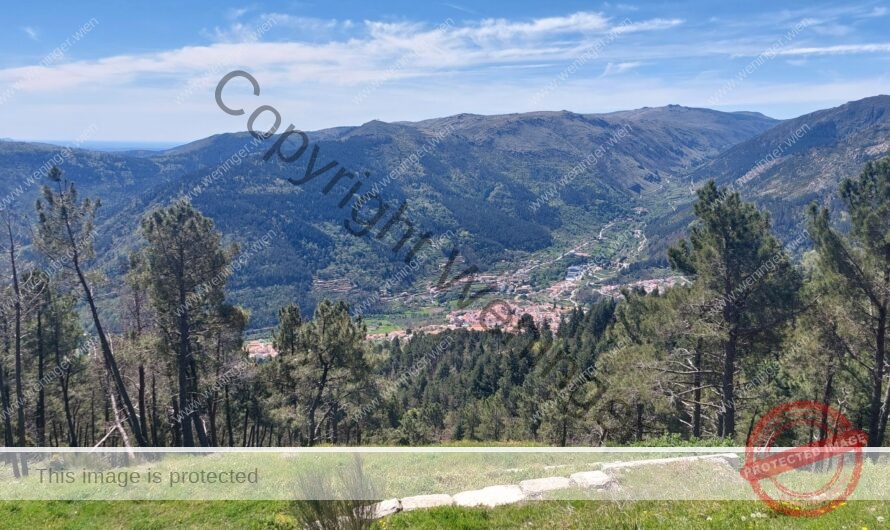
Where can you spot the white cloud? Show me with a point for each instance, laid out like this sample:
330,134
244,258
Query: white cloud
236,13
619,68
840,49
309,24
31,32
353,61
650,25
622,7
504,29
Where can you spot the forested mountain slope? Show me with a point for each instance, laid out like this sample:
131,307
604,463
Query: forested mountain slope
478,178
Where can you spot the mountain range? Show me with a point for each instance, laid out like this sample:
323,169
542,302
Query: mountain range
503,189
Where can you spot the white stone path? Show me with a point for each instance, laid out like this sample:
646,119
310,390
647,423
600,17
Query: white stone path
534,489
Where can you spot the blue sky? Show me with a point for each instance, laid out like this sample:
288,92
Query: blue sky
147,71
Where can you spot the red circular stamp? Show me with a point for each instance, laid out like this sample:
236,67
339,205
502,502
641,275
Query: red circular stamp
765,463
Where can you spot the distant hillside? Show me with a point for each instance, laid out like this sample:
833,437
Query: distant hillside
815,152
794,163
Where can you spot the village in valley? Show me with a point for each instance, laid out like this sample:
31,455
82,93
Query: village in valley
591,276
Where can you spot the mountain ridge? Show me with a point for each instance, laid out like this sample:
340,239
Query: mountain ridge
478,181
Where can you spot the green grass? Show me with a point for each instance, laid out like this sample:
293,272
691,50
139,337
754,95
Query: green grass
641,514
545,515
381,325
399,317
145,515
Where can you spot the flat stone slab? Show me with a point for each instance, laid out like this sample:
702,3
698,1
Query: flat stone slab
490,496
540,485
387,507
418,502
592,479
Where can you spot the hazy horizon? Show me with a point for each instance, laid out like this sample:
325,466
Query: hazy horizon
112,145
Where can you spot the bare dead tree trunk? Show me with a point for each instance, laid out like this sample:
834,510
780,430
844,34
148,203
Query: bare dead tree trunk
154,412
92,417
727,425
196,416
40,416
175,425
185,406
697,382
143,413
117,423
111,362
229,418
19,392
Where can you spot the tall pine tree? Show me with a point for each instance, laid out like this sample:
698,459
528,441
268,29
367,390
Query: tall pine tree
753,287
187,268
65,235
860,262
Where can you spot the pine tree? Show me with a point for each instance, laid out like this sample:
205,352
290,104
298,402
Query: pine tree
860,263
186,269
332,367
733,256
286,336
65,235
